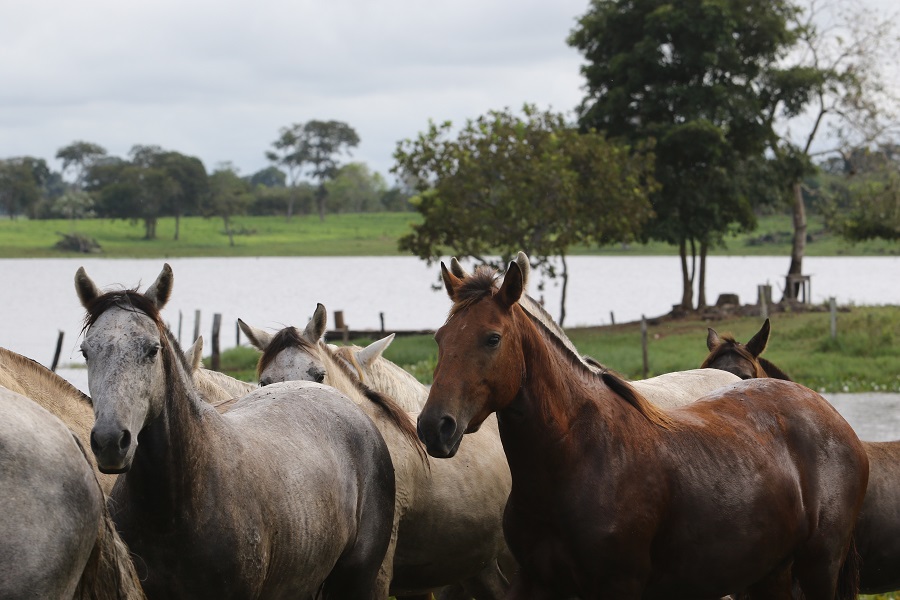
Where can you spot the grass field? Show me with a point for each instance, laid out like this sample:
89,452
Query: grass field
366,234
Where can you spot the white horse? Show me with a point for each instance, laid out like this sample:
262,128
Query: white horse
58,540
217,388
52,392
449,513
288,494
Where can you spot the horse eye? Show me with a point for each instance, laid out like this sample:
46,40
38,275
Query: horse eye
264,382
493,340
153,350
320,376
84,353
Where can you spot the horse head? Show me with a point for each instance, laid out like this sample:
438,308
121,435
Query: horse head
290,351
123,340
727,354
479,368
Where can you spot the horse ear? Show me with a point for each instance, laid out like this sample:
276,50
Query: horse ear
161,289
194,354
374,350
451,281
457,269
712,339
84,287
758,342
315,329
259,338
525,265
513,285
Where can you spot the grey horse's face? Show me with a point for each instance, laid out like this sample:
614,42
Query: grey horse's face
293,364
123,350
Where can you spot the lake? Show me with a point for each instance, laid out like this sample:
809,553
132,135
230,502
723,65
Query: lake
271,292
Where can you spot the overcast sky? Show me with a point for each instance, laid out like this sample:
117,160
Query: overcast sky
218,80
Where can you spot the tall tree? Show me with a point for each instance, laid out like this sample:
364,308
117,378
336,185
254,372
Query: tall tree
355,189
79,156
21,181
834,99
686,73
313,147
229,196
532,183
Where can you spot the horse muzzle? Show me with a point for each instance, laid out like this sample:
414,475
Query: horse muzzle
441,436
113,448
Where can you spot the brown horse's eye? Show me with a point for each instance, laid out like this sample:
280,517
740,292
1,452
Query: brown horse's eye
493,340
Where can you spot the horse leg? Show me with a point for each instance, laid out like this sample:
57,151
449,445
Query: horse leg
488,584
777,585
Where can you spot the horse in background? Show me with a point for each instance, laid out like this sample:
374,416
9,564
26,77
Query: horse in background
448,515
743,360
288,494
58,538
615,497
878,526
217,388
33,380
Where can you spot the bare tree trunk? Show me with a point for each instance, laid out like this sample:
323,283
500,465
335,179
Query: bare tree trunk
565,285
229,231
321,194
687,294
177,225
290,206
799,247
701,286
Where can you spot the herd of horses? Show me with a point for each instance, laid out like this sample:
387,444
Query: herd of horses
525,471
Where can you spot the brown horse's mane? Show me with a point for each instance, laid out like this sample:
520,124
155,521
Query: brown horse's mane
33,368
731,345
483,283
290,337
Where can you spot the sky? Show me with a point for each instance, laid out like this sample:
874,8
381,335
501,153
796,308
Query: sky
219,80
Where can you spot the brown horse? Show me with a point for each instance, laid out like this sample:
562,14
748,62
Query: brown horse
613,497
743,360
878,527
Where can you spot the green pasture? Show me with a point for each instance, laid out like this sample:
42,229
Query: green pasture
356,234
865,355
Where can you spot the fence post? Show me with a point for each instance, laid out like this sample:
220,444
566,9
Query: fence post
237,333
644,345
381,316
59,340
216,359
612,317
833,306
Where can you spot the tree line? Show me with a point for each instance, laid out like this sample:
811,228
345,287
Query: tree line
153,182
697,116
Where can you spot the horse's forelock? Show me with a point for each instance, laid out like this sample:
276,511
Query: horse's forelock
287,338
480,284
730,346
125,299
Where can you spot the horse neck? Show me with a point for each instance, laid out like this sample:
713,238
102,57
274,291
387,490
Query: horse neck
337,377
176,449
391,379
773,371
558,394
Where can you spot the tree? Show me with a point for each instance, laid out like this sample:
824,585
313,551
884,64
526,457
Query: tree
21,181
229,196
835,90
125,190
268,177
533,183
356,189
79,156
313,146
180,180
686,73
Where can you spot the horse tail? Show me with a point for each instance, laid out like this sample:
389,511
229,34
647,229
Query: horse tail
109,573
848,576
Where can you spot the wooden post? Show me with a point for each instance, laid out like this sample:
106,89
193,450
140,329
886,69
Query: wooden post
339,325
237,333
179,327
381,316
644,345
216,359
612,317
196,325
763,300
59,340
833,306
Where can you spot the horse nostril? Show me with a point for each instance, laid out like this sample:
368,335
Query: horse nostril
447,427
95,446
125,440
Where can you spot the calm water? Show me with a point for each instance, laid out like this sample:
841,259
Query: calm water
39,297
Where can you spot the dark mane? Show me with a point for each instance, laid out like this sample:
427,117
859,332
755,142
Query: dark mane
287,338
394,412
730,346
481,283
773,371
